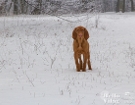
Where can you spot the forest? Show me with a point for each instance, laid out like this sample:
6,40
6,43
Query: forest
60,7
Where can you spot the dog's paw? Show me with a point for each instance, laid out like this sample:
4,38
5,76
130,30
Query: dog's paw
84,70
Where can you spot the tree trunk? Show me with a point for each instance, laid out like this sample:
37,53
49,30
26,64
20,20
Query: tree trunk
104,6
22,6
15,6
132,5
40,6
123,6
118,6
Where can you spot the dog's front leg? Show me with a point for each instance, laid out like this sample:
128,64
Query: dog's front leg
76,61
80,61
84,61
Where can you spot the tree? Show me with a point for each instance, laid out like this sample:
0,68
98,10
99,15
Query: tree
118,6
22,6
123,6
15,10
132,5
38,7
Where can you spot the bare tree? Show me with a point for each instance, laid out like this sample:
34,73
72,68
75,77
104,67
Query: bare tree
132,5
15,10
118,6
123,6
22,6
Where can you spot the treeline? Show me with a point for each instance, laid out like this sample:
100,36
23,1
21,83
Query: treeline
59,7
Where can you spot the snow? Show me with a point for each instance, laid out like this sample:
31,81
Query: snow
37,65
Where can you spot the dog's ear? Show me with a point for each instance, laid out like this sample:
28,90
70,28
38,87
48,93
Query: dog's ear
86,34
74,34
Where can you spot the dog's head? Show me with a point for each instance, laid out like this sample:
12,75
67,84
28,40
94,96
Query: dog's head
80,33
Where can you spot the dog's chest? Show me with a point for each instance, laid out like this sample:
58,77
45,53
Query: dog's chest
83,45
81,48
80,51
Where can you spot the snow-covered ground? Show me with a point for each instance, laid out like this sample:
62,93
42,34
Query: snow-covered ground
37,65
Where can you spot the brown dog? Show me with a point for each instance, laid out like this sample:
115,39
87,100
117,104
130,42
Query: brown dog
81,47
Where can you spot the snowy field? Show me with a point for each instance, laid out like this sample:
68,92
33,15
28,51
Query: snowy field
37,65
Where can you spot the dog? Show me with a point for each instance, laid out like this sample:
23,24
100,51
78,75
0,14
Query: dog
81,47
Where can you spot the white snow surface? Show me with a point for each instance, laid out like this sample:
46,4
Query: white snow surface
37,65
